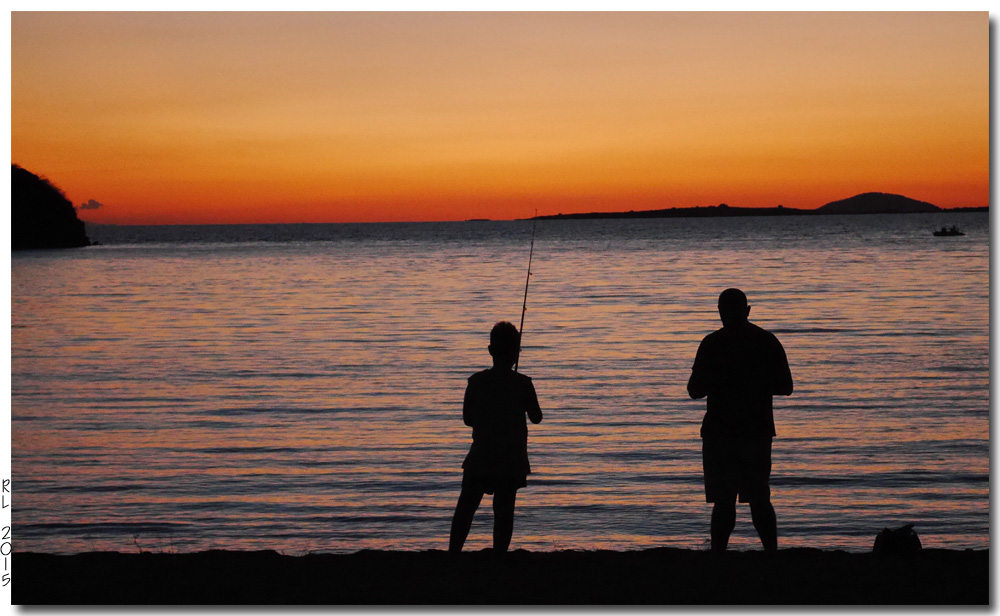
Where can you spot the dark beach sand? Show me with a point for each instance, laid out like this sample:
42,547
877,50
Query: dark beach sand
662,576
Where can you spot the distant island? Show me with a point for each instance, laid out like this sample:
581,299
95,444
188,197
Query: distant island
710,211
865,203
40,214
878,203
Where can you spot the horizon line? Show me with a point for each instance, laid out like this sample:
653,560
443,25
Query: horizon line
577,215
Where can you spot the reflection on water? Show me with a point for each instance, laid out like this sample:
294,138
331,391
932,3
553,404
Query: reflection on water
213,388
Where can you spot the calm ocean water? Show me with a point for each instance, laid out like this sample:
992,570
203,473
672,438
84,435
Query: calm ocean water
299,387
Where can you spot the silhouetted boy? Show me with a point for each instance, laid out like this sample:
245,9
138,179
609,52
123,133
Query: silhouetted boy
496,401
739,368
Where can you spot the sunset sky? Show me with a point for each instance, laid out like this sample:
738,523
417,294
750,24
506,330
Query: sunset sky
166,118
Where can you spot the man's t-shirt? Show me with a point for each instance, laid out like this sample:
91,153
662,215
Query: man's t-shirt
496,402
741,368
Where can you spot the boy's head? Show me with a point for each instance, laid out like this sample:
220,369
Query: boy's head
505,344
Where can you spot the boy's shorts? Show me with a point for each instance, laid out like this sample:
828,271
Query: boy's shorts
737,467
489,484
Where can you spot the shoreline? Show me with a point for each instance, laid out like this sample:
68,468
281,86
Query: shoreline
657,576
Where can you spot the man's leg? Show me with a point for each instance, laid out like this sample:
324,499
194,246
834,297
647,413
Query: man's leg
723,523
468,502
764,518
503,519
766,523
720,489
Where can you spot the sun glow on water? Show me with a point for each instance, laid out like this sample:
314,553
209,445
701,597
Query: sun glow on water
306,396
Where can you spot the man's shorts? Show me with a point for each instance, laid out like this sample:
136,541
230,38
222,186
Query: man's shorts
737,466
474,482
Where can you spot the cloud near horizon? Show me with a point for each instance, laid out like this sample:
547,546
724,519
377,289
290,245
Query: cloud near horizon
93,204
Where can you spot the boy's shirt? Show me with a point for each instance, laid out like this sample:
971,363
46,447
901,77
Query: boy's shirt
496,402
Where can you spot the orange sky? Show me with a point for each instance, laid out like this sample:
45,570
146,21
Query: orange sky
328,117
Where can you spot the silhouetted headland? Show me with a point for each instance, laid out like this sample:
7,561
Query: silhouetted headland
41,215
660,576
866,203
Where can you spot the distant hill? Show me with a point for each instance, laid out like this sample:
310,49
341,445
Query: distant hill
878,203
40,214
711,211
866,203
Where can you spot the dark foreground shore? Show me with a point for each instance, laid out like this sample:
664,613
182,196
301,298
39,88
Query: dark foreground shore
662,576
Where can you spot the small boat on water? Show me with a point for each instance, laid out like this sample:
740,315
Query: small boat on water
948,232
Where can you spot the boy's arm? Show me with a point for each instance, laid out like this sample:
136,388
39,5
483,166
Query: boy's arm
534,411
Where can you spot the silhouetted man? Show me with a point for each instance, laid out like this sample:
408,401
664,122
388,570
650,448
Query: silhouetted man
496,402
739,368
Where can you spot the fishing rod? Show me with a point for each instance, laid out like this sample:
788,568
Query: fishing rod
524,306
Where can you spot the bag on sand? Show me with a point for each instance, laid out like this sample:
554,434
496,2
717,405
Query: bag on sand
902,541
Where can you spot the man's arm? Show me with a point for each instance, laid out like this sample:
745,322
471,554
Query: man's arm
782,373
698,384
469,407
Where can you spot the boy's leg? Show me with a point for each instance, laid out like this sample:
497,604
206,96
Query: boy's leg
723,523
503,519
766,523
468,502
